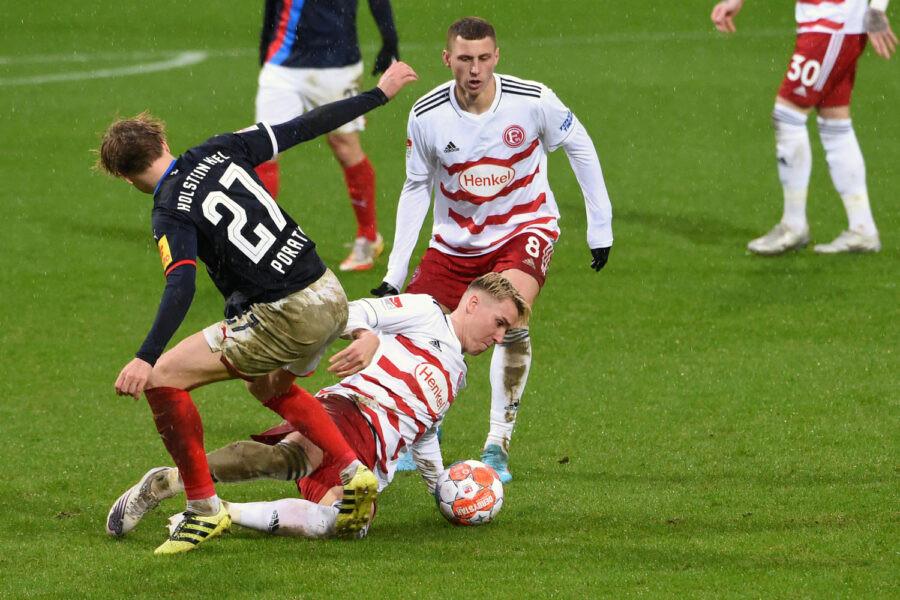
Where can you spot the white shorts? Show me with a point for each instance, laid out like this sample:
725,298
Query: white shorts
292,333
287,92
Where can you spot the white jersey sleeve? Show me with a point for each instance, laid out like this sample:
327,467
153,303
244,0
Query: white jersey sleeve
394,314
421,161
411,211
558,120
426,453
583,158
562,128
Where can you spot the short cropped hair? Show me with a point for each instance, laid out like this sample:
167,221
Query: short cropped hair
499,288
471,28
129,146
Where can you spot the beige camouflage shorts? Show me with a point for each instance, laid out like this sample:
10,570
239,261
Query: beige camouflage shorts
291,333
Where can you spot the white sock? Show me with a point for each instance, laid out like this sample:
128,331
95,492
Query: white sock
848,172
794,154
204,506
287,517
510,364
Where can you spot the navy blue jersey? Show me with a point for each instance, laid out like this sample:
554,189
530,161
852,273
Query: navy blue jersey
212,205
318,34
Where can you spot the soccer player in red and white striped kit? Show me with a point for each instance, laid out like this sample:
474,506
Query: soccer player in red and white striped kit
401,374
831,36
479,143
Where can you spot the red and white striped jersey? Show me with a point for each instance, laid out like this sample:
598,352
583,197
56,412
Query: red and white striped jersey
831,16
413,378
488,171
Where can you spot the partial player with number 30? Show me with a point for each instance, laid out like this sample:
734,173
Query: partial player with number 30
283,306
831,37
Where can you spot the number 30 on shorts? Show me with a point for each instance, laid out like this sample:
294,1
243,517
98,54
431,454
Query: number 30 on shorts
803,69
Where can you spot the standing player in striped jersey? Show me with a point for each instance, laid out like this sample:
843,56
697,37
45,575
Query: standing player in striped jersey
283,306
310,56
831,36
401,375
479,143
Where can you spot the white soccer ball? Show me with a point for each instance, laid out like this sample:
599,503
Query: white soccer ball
469,493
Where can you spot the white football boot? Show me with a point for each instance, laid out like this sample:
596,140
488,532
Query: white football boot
850,241
781,239
140,499
364,253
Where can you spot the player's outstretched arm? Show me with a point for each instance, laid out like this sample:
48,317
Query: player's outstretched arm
884,42
328,117
396,76
723,15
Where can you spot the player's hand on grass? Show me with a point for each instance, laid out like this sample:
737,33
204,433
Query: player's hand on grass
357,356
599,256
884,42
386,56
723,15
133,379
385,289
395,77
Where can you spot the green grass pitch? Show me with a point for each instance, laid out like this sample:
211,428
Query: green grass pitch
698,422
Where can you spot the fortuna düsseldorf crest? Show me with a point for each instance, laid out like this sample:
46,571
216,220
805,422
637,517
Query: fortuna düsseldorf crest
514,136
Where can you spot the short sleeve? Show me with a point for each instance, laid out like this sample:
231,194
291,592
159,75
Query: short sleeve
557,118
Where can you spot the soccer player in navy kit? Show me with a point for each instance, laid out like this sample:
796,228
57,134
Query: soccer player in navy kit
310,56
283,306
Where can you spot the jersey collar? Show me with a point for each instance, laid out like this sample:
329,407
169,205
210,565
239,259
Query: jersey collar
168,170
455,103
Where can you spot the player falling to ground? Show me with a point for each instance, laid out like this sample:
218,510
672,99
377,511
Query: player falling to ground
283,306
401,375
479,143
830,38
310,56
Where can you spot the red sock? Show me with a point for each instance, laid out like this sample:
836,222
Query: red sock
268,173
181,430
360,180
299,408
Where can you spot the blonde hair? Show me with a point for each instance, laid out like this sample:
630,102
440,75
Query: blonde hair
129,146
499,288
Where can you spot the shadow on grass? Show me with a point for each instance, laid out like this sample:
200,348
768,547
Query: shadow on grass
700,229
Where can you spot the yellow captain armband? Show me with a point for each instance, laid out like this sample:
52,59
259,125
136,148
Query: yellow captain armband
165,254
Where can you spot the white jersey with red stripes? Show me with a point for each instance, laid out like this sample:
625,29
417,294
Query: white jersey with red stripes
489,170
413,378
831,16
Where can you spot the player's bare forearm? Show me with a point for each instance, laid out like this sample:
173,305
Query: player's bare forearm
395,77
